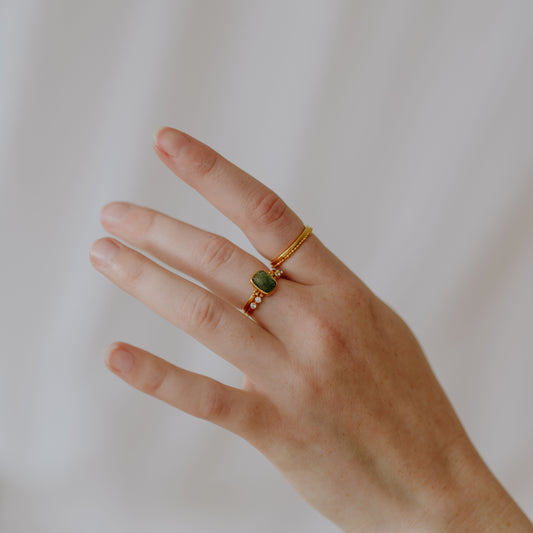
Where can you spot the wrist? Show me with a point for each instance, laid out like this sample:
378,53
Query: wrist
473,500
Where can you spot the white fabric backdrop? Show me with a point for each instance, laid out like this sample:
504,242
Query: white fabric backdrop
402,131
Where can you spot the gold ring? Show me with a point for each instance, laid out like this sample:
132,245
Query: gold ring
283,256
265,283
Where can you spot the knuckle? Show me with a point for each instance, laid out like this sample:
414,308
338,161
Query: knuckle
212,405
314,386
201,159
359,297
327,333
210,163
145,226
267,209
312,378
204,312
133,275
152,383
256,420
328,339
216,252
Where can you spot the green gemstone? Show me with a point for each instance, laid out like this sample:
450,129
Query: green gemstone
264,282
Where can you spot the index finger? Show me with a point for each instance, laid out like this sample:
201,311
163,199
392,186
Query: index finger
270,225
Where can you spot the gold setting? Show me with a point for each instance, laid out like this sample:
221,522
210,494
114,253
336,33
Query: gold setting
258,295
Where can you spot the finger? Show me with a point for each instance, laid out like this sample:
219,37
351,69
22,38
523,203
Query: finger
216,262
231,408
201,314
270,225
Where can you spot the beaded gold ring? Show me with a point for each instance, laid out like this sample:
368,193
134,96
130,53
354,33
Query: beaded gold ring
265,283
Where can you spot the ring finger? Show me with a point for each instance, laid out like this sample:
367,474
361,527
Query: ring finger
209,319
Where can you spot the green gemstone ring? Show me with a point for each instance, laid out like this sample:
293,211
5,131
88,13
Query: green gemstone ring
264,284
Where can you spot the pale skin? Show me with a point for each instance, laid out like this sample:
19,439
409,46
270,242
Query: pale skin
337,391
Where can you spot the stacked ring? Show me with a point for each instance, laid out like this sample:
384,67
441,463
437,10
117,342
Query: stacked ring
265,283
283,256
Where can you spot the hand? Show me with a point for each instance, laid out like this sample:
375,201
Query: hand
337,392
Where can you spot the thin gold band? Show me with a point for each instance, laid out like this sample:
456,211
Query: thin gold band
283,256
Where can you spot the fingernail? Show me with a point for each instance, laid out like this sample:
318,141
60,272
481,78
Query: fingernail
114,213
102,251
121,361
170,140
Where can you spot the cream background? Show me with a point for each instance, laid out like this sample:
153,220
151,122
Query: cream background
402,131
